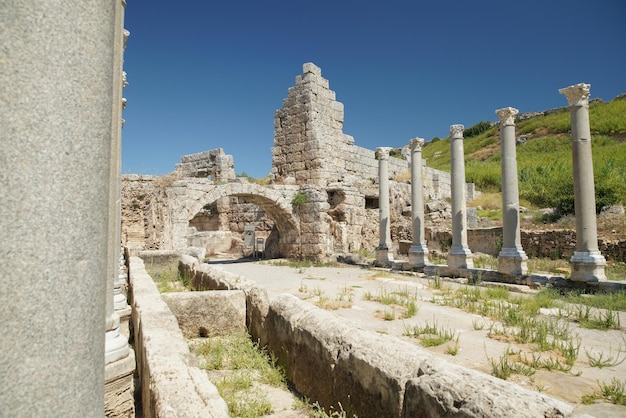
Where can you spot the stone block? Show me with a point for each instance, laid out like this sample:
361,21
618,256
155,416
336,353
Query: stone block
208,313
119,388
451,390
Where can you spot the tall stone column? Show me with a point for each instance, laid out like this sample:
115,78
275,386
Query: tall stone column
119,358
459,255
116,346
418,253
587,262
512,258
56,98
384,252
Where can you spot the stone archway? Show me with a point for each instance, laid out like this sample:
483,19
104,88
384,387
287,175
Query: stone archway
274,201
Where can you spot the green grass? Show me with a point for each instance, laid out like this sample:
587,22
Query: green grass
315,410
403,300
614,392
246,364
432,335
545,161
168,278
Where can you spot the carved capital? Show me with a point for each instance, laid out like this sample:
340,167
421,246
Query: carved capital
416,144
383,152
577,95
507,115
456,131
126,33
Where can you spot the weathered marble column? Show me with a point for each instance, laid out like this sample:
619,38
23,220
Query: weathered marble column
56,100
587,262
119,358
418,253
116,346
459,255
384,252
512,258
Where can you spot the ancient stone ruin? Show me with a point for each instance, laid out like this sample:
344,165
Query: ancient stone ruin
65,342
203,204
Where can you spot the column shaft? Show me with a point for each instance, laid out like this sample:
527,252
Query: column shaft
512,258
56,96
418,253
459,255
587,262
385,248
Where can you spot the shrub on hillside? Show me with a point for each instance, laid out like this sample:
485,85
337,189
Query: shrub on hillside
477,129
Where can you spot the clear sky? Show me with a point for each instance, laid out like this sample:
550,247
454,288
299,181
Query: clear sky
208,74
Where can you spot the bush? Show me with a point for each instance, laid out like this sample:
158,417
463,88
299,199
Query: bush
477,129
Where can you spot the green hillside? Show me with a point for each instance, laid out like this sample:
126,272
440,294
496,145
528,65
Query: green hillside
545,159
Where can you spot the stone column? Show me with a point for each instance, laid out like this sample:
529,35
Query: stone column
119,358
384,252
587,262
459,255
418,253
512,258
116,346
56,100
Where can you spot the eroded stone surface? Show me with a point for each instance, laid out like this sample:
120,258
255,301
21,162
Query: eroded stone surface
204,314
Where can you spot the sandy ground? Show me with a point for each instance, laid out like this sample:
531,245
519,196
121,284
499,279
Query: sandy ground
352,284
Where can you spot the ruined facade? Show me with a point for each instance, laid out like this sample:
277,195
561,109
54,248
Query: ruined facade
336,183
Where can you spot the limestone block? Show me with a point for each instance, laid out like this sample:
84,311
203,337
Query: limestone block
208,313
119,388
451,390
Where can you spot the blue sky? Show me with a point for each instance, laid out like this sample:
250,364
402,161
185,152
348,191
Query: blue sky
210,74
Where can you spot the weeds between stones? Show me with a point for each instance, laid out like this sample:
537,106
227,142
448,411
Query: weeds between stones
239,364
432,335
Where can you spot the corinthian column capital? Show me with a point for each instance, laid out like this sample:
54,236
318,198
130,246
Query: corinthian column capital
416,144
577,95
383,152
456,131
507,115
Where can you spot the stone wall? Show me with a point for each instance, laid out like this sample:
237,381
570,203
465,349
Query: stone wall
145,212
214,164
169,385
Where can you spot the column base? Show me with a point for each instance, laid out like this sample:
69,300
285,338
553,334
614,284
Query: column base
119,388
115,344
587,266
384,256
512,261
460,258
418,256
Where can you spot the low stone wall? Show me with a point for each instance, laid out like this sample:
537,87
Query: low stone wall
170,387
330,361
556,243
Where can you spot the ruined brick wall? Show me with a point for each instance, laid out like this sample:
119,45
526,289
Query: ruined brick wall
309,144
214,163
145,211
